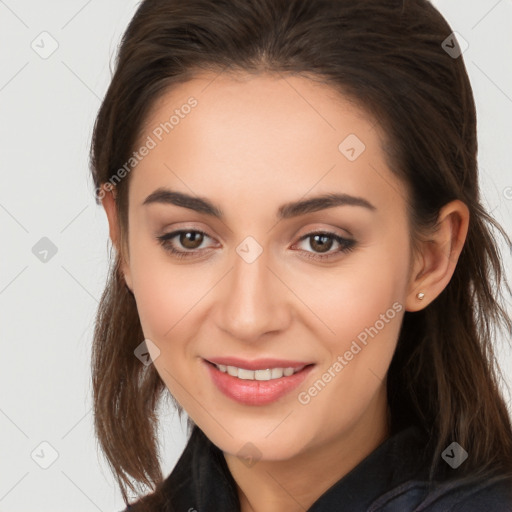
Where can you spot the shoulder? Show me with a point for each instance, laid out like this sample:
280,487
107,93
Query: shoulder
450,496
477,497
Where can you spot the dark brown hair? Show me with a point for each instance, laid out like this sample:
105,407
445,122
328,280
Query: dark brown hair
388,57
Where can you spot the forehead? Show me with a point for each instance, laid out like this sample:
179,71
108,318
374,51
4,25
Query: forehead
247,131
265,104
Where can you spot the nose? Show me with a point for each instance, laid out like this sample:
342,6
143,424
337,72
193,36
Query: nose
253,300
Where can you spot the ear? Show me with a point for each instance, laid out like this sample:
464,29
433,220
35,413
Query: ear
436,259
108,200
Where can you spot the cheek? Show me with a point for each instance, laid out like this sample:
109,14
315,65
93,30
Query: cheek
167,294
353,297
168,304
368,320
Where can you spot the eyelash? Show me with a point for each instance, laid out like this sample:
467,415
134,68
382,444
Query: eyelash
346,244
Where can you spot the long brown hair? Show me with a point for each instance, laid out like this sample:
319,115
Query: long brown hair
390,57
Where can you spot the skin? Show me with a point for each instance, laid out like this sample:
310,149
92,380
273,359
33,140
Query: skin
252,144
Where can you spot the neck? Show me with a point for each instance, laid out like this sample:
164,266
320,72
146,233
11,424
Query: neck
296,483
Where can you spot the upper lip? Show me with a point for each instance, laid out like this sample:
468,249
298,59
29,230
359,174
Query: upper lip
257,364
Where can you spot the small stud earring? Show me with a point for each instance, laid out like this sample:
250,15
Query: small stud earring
420,295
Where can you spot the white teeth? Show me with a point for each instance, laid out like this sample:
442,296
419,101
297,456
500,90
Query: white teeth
268,374
263,374
245,374
232,370
277,373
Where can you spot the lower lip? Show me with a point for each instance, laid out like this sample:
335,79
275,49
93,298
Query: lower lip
255,392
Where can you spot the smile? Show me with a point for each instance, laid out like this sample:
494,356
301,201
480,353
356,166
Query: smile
267,374
258,386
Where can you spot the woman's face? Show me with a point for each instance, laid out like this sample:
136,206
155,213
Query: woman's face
252,162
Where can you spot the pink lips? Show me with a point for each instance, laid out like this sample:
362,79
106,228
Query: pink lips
256,392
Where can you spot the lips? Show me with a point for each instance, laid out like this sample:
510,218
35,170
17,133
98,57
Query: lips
251,385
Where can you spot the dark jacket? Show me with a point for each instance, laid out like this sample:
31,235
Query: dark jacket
393,478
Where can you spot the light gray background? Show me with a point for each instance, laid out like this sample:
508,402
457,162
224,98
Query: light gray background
47,109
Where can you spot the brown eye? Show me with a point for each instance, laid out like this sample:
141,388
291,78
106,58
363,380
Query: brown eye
191,239
185,243
321,243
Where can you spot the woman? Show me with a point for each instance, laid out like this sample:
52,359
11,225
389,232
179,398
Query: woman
302,261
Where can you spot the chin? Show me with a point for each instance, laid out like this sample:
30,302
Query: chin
263,440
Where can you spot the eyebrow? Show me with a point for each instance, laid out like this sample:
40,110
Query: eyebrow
286,211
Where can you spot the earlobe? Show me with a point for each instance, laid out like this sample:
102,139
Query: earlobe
108,201
434,266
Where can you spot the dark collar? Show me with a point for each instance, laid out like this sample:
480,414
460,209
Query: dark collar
201,480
